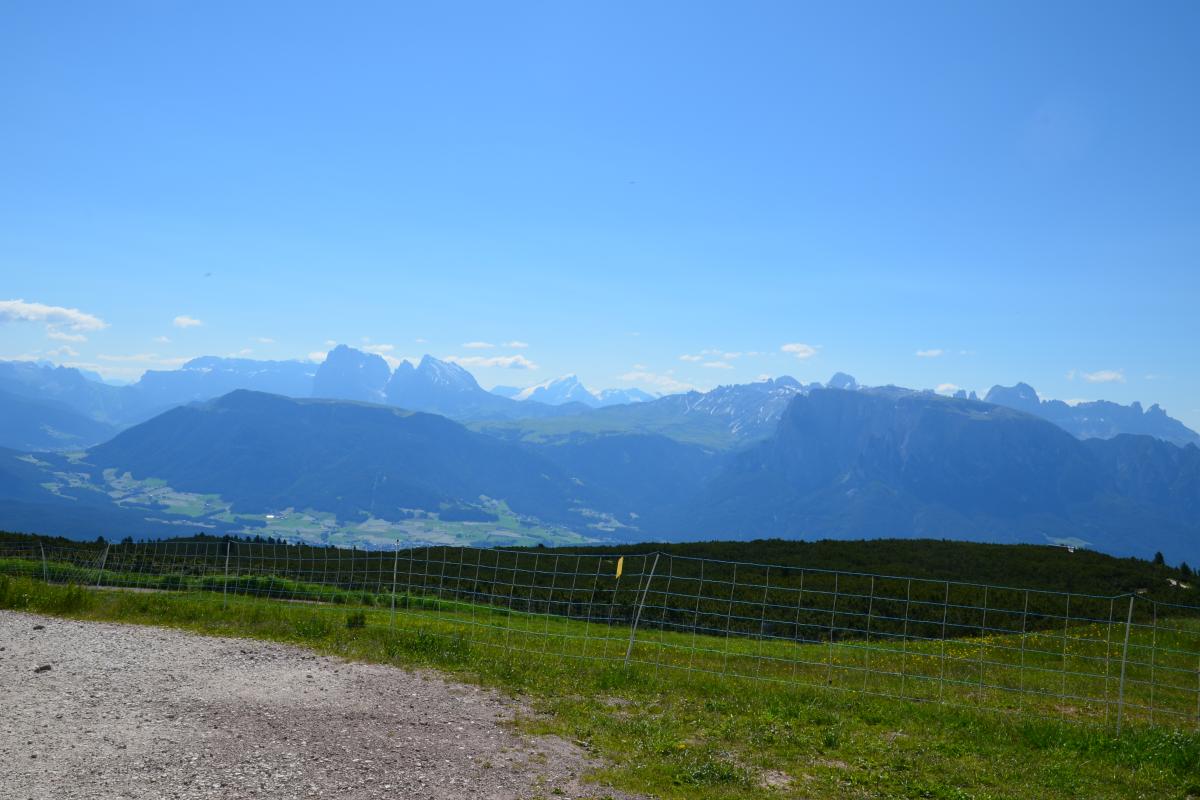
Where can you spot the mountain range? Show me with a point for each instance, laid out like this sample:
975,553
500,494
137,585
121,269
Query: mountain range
569,389
352,448
48,407
1098,419
840,463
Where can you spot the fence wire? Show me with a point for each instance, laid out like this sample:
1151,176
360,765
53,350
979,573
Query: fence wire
1107,660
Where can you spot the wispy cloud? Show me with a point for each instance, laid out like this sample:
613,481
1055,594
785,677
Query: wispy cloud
717,365
665,382
931,353
317,356
478,345
801,350
163,339
714,353
61,336
245,351
1104,376
184,321
516,344
947,388
264,340
146,359
53,317
378,349
64,350
134,357
504,362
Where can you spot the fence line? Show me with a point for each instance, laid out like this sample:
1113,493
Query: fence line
1056,654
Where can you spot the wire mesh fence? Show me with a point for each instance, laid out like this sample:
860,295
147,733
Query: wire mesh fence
1105,660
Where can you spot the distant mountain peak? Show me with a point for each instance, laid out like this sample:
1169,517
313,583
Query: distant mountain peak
570,389
349,374
446,373
1097,419
841,380
556,391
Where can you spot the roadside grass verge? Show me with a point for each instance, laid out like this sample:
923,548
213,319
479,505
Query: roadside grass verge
676,734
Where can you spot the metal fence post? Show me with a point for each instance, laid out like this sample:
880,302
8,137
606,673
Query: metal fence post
225,588
103,561
45,569
638,614
1124,661
395,566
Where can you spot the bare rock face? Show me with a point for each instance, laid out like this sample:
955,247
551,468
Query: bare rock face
349,374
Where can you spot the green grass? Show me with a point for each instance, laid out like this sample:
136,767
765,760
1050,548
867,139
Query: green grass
677,734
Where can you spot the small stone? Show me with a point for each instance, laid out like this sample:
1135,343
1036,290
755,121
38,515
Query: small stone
39,627
43,668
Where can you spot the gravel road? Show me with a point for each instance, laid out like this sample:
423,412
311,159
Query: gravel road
134,712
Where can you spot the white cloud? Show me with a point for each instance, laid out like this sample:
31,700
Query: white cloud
516,344
763,377
331,343
184,321
931,353
505,362
420,340
264,340
714,353
163,339
801,350
717,365
665,382
318,355
53,316
65,350
245,351
379,349
640,367
478,345
947,388
59,336
1104,376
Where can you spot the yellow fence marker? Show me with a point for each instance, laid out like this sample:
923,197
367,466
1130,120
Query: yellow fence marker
620,566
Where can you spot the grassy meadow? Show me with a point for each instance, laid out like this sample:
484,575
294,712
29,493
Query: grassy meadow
702,713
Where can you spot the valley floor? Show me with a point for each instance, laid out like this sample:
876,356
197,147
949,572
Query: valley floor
127,711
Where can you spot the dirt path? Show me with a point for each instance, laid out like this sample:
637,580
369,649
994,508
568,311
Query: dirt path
134,712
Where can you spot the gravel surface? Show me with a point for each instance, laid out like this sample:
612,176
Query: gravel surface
126,711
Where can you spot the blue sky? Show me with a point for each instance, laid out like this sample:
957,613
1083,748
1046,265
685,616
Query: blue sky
1012,189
